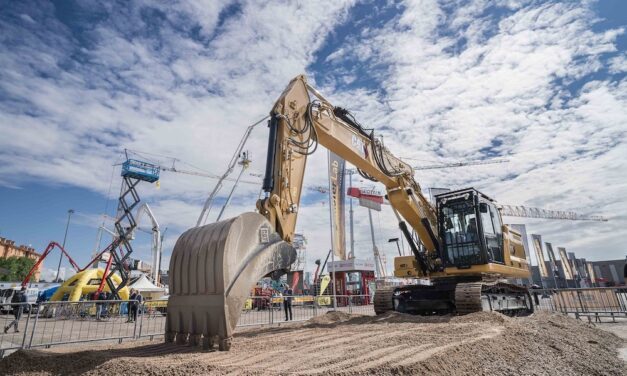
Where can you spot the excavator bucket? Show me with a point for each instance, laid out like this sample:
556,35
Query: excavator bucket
212,270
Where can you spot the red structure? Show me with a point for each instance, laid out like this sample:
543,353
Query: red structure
353,277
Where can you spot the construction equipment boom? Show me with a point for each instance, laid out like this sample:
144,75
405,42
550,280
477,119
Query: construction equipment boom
461,244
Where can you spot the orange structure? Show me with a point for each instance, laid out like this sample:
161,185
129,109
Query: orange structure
9,249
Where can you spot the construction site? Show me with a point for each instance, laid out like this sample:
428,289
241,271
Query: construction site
407,247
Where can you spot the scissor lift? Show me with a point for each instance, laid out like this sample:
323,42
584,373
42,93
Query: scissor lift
133,171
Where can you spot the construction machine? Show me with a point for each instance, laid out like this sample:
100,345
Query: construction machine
460,244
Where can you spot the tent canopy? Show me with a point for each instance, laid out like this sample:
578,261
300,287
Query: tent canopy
143,284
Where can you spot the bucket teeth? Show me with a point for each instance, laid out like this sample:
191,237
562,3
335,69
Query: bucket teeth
212,270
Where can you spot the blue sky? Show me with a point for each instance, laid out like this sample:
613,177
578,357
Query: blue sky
539,82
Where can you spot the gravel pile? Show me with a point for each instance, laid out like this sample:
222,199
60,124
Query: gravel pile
342,344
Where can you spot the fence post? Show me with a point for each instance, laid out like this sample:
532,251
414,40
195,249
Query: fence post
350,304
32,333
134,321
580,301
30,310
141,319
271,311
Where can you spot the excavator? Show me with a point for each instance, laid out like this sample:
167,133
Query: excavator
460,244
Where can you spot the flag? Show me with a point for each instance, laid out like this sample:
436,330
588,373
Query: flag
537,245
337,166
568,271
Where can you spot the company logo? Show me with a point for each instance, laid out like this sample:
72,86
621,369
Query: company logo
358,144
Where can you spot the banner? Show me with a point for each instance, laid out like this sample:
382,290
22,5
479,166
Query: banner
337,194
549,251
568,270
537,245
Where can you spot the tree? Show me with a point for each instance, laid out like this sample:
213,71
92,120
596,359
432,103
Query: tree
15,268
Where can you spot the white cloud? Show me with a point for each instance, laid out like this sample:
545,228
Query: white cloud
188,81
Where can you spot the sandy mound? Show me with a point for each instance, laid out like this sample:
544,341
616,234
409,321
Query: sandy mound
342,344
332,317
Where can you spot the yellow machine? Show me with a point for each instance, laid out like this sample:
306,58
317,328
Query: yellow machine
460,244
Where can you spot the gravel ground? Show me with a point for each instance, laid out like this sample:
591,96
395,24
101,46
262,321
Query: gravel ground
342,344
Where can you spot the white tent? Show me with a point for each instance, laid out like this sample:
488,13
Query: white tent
143,285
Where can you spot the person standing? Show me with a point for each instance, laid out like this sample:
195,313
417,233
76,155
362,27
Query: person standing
131,305
19,301
136,300
287,302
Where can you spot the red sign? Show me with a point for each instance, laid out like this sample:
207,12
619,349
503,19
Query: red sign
366,195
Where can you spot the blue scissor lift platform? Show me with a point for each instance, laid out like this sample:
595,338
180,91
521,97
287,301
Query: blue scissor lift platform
145,171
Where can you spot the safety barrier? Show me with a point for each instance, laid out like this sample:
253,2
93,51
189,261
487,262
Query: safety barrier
592,303
60,323
55,323
269,310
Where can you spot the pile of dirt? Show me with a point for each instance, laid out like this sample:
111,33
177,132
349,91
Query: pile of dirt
342,344
332,317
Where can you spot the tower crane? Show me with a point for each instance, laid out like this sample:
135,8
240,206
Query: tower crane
461,164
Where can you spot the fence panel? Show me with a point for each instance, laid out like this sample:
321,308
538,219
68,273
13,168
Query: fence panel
151,321
15,319
55,323
71,322
589,302
361,304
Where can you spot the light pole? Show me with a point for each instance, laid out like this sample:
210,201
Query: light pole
67,226
395,240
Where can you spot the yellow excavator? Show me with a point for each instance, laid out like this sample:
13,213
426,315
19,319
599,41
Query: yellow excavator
460,244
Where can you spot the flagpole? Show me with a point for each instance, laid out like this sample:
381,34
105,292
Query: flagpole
332,233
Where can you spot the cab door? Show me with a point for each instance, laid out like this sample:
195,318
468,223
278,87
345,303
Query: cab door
492,232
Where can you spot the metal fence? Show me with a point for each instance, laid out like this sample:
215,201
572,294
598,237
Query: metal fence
590,303
55,323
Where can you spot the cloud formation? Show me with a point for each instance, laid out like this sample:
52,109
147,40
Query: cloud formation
536,82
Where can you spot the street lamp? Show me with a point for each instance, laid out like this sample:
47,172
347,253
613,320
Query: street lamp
395,240
67,226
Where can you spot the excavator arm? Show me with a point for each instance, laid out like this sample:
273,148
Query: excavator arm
301,120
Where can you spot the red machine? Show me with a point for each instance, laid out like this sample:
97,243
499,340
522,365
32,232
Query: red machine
53,245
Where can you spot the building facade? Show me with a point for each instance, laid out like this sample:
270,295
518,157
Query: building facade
9,249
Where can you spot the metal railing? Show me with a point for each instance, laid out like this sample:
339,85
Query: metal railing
48,324
15,319
609,302
59,323
269,310
54,323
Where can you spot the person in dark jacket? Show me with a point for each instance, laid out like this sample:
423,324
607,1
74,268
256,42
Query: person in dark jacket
19,302
287,302
136,301
100,306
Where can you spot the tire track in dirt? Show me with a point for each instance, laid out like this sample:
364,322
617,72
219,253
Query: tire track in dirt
352,346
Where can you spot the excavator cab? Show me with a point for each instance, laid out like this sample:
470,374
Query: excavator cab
470,228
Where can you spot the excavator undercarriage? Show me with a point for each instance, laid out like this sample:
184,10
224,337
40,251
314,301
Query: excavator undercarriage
454,296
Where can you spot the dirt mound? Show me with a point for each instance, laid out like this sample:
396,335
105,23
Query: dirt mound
342,344
332,317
